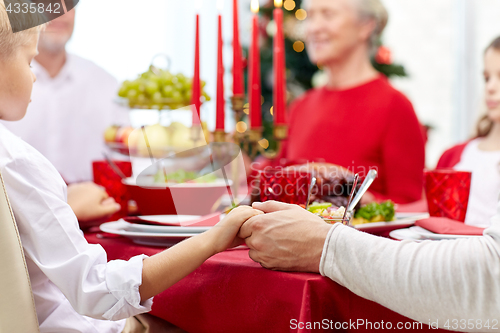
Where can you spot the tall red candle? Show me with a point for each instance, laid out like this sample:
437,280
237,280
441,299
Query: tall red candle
254,83
279,91
219,122
237,55
196,88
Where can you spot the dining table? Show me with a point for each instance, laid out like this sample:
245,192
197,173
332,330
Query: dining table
232,293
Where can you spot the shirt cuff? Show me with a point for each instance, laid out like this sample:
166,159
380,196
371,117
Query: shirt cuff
123,279
327,256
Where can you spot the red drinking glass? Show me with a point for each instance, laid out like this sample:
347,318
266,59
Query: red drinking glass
285,186
106,177
447,193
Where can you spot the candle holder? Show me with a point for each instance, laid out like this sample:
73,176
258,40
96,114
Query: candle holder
249,141
237,103
219,136
280,133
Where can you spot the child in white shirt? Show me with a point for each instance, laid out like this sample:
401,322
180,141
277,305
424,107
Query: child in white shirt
71,280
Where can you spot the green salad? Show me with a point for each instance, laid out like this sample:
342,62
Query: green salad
375,212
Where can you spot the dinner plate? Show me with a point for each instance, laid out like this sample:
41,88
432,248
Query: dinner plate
405,234
166,228
431,235
169,218
166,239
403,220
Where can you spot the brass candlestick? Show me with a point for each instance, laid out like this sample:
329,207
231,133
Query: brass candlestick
250,139
219,136
238,102
280,133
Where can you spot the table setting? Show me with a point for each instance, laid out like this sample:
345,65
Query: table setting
197,303
213,293
182,180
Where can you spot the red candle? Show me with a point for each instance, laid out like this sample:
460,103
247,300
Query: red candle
196,88
254,84
219,123
279,90
237,56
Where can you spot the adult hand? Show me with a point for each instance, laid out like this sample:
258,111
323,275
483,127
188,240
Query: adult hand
90,203
287,237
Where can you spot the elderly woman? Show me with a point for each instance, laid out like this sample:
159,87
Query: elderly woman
358,120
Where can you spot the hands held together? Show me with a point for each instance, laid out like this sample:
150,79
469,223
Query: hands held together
280,236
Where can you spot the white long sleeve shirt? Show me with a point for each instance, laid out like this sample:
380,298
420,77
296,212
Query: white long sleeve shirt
71,280
485,182
68,115
431,281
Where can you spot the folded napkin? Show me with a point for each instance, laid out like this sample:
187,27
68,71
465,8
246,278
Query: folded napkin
204,221
446,226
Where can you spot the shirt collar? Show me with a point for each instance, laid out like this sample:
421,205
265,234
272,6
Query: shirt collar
65,74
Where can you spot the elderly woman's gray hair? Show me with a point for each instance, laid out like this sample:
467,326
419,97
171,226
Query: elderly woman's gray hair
370,10
374,10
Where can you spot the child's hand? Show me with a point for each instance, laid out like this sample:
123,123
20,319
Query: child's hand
224,234
90,203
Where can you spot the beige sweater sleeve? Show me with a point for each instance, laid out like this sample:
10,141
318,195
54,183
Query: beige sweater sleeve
428,281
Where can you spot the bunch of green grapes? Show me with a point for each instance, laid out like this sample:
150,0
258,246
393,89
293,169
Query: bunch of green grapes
159,91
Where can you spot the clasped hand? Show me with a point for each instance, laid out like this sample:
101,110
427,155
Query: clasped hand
280,236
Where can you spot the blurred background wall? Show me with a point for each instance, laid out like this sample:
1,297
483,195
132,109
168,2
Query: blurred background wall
440,43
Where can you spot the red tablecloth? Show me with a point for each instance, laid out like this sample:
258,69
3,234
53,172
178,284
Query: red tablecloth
231,293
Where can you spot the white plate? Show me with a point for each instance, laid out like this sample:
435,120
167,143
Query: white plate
403,220
147,238
431,235
405,234
169,218
165,228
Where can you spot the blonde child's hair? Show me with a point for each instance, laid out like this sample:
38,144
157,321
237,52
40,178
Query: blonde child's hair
10,41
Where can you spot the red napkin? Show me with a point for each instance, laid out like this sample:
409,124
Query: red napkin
204,221
446,226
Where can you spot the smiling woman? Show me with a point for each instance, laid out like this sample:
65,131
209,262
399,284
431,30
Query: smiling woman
358,121
369,14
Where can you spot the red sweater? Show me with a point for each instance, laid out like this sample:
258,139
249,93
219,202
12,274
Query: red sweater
369,126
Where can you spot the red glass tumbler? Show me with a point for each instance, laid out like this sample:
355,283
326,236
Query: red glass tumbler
284,185
106,177
447,193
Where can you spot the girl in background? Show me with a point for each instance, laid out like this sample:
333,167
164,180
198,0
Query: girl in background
481,155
